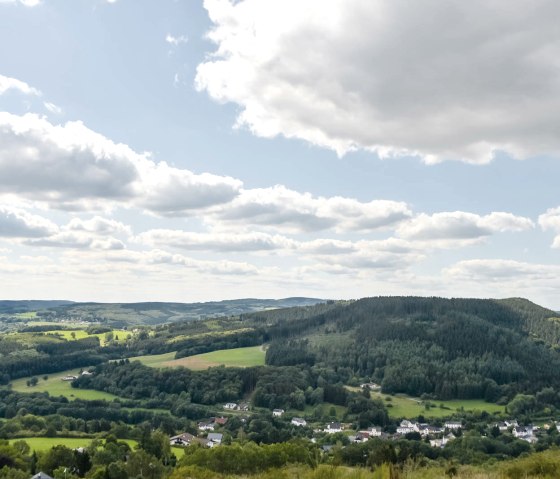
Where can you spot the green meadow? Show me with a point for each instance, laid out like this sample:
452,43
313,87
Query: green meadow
55,386
238,357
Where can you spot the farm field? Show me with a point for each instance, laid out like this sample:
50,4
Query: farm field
407,407
55,386
119,335
45,443
239,357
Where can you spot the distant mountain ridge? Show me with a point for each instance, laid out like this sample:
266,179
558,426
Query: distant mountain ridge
149,313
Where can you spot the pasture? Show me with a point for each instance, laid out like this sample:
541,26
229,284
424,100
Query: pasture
55,386
408,407
239,357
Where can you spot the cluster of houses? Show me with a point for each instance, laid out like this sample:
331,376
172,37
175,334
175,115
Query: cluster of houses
525,433
186,439
212,423
232,406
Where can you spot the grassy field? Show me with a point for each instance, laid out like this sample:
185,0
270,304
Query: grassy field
45,443
407,407
119,335
239,357
55,386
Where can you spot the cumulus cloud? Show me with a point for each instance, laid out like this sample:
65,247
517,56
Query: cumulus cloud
70,165
98,225
500,270
74,240
551,221
222,242
55,109
26,3
8,83
441,80
461,226
17,223
159,257
176,40
282,208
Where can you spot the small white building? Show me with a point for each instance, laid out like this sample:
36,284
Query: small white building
206,426
407,426
215,438
374,431
333,427
298,421
230,405
277,412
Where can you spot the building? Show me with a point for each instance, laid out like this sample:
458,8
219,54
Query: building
206,426
298,421
230,405
453,425
277,412
333,427
215,438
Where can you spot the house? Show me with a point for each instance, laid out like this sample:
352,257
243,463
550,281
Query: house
439,442
215,438
511,423
277,412
187,439
406,427
230,405
362,436
374,431
243,406
502,426
87,373
370,386
558,426
69,378
220,421
298,421
206,426
333,427
453,425
426,430
41,475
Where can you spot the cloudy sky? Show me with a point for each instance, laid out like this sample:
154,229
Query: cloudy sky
189,150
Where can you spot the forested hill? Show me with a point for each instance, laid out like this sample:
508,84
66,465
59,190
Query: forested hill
463,348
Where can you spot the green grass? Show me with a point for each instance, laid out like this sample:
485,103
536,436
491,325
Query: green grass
239,357
56,387
407,407
45,443
74,334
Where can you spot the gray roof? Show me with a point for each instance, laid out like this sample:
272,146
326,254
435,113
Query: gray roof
41,475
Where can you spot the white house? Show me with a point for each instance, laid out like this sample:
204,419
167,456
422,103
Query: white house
298,421
374,431
230,405
215,438
406,427
206,426
277,412
333,427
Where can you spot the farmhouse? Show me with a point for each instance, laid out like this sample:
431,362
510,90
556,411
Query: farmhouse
406,427
187,439
374,431
333,427
230,405
206,426
298,421
214,439
277,412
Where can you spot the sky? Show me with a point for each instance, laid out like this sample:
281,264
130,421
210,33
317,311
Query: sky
189,150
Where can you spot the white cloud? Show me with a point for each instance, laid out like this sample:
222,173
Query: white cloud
551,221
176,40
99,225
222,242
52,108
26,3
76,240
70,166
461,226
499,270
289,210
17,223
442,80
8,83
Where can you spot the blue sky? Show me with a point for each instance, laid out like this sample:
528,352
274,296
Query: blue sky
190,151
